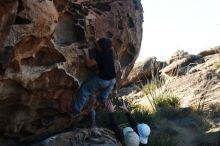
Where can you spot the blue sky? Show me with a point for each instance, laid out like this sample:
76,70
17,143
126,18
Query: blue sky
170,25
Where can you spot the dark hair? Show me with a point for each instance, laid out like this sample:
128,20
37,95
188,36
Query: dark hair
105,43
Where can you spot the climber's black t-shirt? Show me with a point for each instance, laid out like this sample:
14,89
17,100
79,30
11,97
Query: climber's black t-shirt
105,63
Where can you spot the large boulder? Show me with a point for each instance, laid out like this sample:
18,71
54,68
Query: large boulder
211,51
180,63
143,70
40,68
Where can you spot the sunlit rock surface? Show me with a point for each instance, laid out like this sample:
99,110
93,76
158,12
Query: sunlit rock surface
40,70
144,70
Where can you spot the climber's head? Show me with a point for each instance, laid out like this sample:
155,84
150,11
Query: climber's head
130,137
144,132
104,44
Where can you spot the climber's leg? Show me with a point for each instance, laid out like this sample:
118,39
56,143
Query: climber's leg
87,88
106,91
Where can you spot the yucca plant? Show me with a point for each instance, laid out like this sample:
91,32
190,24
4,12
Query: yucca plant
142,115
163,101
149,91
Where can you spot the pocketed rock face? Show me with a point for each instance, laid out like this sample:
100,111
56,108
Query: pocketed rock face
6,19
40,68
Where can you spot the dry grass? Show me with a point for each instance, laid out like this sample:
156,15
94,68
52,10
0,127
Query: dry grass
217,64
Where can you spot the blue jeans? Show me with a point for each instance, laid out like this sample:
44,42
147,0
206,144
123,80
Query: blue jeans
89,88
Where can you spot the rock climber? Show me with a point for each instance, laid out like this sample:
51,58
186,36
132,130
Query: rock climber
105,80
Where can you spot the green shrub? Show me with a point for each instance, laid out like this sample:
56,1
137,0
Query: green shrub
142,115
164,101
149,88
152,88
217,64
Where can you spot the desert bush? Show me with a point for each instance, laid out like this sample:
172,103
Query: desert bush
149,91
217,64
139,113
142,115
163,101
157,94
149,88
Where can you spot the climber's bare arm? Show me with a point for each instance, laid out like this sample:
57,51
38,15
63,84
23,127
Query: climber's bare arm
89,62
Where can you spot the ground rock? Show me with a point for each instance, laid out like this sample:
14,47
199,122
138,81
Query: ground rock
79,136
180,63
211,51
